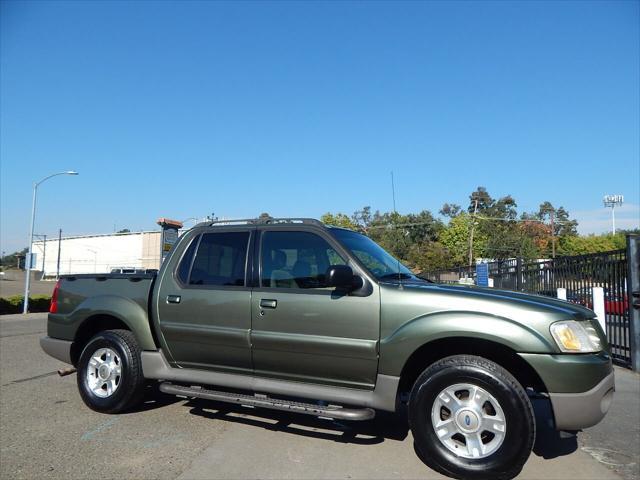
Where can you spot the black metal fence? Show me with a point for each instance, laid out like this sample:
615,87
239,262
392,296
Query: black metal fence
577,274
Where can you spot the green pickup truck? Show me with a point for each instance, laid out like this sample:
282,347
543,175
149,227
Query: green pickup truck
290,314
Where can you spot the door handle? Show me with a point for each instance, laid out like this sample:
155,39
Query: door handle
173,298
265,303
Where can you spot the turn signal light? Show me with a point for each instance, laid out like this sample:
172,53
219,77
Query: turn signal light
568,339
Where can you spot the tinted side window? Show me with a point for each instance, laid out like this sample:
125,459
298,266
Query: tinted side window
221,259
185,263
296,260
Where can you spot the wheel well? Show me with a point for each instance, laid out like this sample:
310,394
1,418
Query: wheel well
496,352
89,328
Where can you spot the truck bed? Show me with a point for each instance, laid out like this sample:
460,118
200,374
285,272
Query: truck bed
74,289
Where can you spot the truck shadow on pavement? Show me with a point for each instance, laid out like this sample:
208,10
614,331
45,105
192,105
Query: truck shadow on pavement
551,443
385,426
154,398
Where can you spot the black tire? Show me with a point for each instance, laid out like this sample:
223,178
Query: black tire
130,382
510,456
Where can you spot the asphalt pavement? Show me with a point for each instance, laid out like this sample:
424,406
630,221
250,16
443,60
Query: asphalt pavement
12,283
47,432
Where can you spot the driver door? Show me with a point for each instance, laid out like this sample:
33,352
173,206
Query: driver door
302,330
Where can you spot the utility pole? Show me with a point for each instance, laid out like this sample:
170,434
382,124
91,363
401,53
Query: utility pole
44,255
473,224
553,233
393,194
59,245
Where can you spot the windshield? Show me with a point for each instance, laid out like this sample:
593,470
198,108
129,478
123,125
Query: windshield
382,265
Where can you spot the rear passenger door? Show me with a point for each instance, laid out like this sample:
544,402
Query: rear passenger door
204,303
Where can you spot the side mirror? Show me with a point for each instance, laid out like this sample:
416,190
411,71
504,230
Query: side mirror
340,276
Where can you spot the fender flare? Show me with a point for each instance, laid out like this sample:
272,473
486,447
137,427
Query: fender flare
398,347
124,309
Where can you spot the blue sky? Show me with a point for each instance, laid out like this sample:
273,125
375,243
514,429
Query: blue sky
179,109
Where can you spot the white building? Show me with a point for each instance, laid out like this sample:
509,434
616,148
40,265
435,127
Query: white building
98,253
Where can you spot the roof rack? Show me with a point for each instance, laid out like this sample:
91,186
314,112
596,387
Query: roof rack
261,221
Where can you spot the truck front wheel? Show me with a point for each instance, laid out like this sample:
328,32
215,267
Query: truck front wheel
110,376
471,419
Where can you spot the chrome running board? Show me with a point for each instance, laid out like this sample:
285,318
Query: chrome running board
329,411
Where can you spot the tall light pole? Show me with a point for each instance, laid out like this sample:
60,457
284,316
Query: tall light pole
95,259
27,262
613,201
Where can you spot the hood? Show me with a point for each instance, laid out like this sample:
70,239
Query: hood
504,303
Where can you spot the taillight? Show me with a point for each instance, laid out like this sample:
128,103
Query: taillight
53,308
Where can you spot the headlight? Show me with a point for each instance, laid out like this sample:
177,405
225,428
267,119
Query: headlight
576,337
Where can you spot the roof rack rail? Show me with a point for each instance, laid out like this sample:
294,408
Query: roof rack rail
271,220
261,221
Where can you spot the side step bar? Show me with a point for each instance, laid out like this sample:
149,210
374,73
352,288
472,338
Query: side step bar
329,411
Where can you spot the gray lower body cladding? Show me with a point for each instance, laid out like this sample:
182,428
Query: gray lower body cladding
58,349
382,397
573,411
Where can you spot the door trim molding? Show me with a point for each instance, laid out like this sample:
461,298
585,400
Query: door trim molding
315,344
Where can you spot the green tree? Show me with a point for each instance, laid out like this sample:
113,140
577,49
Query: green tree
450,210
390,230
480,200
507,239
339,220
363,218
503,208
428,256
581,245
422,227
455,238
563,225
495,220
11,260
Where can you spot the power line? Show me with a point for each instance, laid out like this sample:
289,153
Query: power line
416,224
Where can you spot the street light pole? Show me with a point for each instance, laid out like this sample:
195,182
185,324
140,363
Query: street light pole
59,248
95,259
613,220
27,262
44,256
612,201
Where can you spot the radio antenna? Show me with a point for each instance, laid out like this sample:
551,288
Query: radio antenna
393,194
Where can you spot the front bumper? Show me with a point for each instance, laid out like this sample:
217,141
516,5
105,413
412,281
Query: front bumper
573,411
56,348
580,386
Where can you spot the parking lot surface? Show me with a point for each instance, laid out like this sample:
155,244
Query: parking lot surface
47,432
12,283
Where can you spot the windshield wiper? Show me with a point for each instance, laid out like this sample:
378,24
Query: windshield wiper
391,276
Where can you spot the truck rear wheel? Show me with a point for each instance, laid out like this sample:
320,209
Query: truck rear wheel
110,378
471,419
